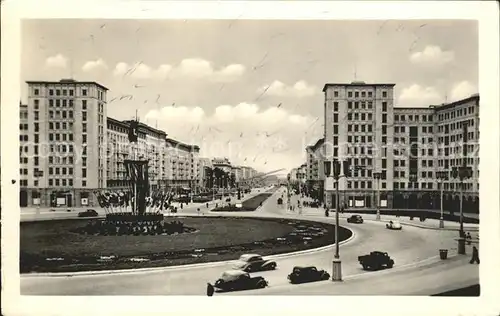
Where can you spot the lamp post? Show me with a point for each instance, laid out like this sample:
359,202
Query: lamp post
38,174
377,176
441,176
333,169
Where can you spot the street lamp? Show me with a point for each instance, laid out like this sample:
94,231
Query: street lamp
333,169
377,176
38,174
441,176
462,173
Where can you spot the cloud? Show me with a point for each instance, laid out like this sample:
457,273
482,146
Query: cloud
94,64
462,90
267,137
299,89
418,96
432,56
58,61
193,68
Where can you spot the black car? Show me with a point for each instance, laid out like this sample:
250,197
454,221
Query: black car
357,219
376,260
239,280
307,274
253,263
88,213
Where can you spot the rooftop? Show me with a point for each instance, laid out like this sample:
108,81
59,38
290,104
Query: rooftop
67,81
357,84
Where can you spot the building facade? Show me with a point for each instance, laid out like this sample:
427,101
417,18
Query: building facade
398,150
222,163
69,148
65,131
359,129
203,174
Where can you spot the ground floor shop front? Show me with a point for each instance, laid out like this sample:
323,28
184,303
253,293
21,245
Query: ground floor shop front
404,200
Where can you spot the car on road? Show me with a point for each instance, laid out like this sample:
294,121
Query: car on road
357,219
254,263
239,280
88,213
394,225
376,260
307,274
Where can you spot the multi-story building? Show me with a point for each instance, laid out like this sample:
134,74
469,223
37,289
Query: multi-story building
151,145
315,171
203,174
69,148
358,129
238,174
248,172
223,164
399,150
66,121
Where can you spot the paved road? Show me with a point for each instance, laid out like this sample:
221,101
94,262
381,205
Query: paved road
408,248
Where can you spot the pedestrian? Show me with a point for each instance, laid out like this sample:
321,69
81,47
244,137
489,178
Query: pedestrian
210,289
207,204
475,255
469,238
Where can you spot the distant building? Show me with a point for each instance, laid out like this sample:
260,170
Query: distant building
223,164
203,165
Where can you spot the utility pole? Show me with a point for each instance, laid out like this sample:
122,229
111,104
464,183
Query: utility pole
333,169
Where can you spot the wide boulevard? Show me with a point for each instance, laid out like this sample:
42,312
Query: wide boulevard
417,270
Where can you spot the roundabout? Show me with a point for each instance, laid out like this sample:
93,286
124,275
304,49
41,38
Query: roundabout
414,251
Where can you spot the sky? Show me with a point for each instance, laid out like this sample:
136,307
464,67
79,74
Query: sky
250,90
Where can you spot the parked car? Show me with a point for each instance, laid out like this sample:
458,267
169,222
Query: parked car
376,260
394,225
88,213
307,274
357,219
253,263
239,280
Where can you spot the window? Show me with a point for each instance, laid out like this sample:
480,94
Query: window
84,116
84,183
336,94
84,104
335,118
335,106
349,94
356,94
84,172
384,106
384,118
84,92
51,91
349,105
384,94
37,92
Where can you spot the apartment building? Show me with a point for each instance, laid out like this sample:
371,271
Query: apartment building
238,174
358,129
223,164
248,172
63,148
315,161
203,165
399,149
69,148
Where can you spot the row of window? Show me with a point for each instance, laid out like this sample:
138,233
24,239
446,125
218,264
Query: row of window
64,182
61,170
412,118
456,126
61,114
363,128
456,113
62,103
360,117
402,129
65,126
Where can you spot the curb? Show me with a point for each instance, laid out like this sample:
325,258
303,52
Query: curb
183,267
